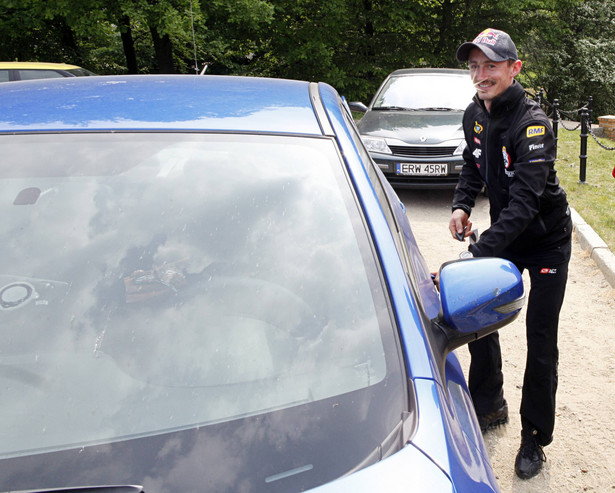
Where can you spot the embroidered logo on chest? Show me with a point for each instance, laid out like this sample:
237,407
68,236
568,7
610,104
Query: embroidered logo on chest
506,157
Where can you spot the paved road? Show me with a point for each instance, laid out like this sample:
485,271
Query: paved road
582,454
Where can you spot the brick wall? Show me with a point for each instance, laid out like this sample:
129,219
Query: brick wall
608,124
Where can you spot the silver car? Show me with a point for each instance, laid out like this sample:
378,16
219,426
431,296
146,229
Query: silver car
412,127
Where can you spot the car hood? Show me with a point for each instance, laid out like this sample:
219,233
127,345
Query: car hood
413,127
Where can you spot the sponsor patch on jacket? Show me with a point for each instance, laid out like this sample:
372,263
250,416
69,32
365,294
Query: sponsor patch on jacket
478,128
506,158
535,131
533,147
547,270
477,153
538,160
477,140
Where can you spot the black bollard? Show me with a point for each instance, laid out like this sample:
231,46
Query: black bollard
555,124
583,155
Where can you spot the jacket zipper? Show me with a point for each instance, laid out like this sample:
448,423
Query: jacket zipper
486,147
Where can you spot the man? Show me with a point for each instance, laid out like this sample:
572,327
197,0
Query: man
510,151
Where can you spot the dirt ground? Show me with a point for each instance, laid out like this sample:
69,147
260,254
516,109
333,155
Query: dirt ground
582,455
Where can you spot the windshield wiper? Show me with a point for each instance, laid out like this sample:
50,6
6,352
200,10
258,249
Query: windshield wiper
438,108
90,489
392,108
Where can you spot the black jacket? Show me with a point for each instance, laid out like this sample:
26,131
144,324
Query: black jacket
512,151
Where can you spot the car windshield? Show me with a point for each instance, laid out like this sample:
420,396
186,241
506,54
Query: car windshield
426,92
158,282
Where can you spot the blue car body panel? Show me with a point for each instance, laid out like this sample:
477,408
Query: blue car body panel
446,452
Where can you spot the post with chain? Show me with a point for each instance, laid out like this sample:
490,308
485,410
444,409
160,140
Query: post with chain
590,103
583,155
555,124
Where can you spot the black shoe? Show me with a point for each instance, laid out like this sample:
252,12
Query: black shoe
530,456
494,418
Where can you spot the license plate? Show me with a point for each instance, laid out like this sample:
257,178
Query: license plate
422,169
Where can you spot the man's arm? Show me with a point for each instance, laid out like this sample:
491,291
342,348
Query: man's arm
468,187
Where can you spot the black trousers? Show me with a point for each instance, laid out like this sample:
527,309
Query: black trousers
548,272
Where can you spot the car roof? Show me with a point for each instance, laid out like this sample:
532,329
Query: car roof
426,71
37,66
183,102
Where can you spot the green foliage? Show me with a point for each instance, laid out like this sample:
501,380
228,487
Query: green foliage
230,35
568,46
570,52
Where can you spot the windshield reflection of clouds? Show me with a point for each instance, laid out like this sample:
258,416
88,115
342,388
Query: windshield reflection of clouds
187,282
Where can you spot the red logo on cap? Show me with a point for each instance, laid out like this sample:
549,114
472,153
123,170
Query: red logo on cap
488,36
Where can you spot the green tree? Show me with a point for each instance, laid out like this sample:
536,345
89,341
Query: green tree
568,46
32,32
571,54
231,36
351,44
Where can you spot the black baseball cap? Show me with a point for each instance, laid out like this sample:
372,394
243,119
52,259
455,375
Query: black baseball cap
496,45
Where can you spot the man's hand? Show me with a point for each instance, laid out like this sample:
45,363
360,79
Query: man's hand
460,225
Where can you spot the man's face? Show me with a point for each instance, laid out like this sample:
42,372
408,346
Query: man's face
491,78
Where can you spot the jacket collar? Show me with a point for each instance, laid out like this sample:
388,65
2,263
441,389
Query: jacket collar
503,103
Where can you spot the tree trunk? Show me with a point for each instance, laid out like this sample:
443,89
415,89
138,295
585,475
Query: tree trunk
129,45
164,52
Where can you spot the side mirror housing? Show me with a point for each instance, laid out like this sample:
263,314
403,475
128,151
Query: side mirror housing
478,296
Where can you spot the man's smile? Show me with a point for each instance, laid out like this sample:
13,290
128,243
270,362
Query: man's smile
484,84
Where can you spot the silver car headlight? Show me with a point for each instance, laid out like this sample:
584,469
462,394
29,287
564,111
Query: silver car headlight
376,144
460,148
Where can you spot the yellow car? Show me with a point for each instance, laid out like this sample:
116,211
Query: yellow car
12,71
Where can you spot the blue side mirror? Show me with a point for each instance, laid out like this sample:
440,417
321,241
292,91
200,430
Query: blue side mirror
478,296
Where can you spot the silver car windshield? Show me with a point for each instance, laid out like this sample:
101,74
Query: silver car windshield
426,92
155,282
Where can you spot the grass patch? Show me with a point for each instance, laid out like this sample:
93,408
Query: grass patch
594,200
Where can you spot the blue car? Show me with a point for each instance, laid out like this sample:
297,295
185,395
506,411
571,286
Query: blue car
208,285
